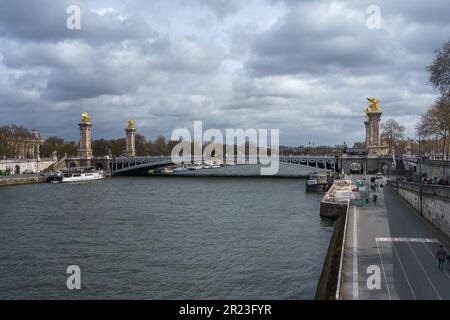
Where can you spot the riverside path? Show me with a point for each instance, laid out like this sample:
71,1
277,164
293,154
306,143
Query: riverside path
389,240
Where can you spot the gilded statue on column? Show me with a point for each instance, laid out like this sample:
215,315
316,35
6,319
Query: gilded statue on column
373,107
85,117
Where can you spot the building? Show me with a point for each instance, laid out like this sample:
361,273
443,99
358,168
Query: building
19,143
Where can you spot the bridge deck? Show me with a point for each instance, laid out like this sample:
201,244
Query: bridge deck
391,236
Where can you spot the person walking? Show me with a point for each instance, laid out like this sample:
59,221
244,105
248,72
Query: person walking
441,255
375,198
448,258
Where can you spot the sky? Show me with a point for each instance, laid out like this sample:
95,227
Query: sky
303,67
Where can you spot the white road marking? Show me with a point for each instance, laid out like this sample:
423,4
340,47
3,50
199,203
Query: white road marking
423,269
404,272
384,272
422,240
355,258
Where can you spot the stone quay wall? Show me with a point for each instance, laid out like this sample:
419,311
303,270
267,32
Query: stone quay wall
21,165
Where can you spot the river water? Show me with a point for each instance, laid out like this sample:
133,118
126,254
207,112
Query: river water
163,238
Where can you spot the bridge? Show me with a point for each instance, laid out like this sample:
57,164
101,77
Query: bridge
141,165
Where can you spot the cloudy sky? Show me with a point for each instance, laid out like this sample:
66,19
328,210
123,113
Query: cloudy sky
304,67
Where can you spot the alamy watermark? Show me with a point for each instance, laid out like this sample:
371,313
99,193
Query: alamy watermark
374,279
73,22
251,146
373,22
74,279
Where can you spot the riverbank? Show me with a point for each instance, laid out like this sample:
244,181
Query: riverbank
15,180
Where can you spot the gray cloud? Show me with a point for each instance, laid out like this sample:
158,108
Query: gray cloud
45,20
303,67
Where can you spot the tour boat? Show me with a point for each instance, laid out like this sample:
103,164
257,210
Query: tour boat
81,175
317,182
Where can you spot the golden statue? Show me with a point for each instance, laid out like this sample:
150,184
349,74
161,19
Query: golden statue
85,117
130,124
373,107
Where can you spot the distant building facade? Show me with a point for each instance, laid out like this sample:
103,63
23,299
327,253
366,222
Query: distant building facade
24,146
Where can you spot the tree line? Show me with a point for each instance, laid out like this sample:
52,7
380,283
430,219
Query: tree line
112,147
434,125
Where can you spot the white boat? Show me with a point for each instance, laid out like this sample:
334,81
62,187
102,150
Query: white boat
82,175
180,169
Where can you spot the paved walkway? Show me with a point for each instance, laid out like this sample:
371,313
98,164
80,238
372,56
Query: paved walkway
391,238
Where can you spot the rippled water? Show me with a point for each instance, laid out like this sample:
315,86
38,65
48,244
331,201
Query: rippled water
163,238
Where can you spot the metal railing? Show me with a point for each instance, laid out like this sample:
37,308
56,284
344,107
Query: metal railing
341,260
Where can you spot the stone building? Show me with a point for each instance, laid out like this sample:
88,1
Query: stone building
25,146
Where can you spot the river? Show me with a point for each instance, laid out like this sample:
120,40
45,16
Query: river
163,238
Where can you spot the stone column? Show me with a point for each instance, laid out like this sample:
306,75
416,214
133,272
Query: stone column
366,123
130,150
37,151
85,146
374,124
37,144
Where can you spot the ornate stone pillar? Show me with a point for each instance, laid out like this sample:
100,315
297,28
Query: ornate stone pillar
130,132
366,123
374,124
85,146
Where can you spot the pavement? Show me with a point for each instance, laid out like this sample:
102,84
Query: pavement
390,253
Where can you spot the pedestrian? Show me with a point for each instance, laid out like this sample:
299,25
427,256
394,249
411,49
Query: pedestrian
375,198
448,258
441,255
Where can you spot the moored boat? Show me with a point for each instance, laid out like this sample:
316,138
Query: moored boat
317,182
81,174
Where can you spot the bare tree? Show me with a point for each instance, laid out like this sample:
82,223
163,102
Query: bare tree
440,70
392,133
435,123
